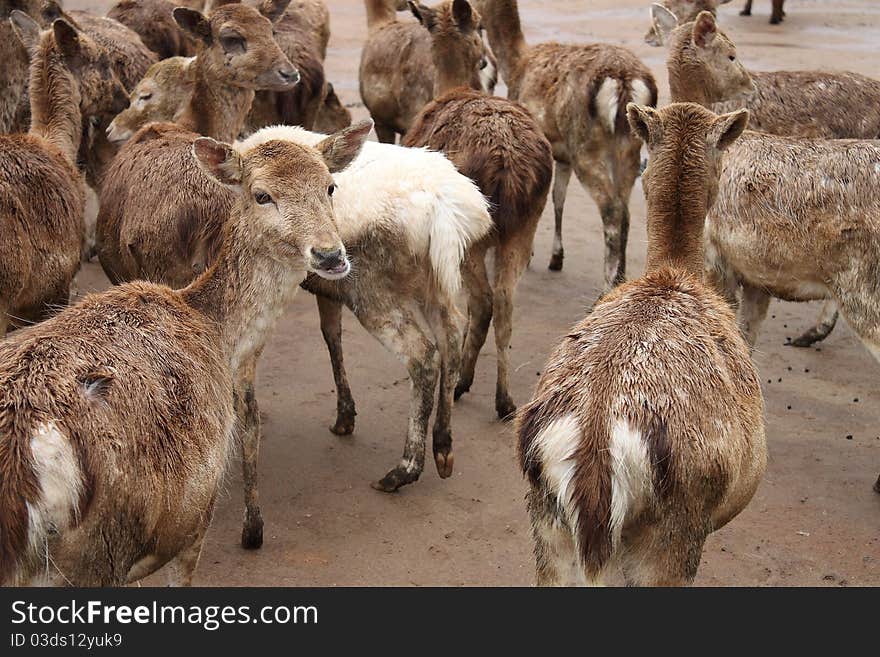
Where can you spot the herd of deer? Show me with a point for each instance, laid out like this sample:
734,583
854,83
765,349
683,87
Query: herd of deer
118,414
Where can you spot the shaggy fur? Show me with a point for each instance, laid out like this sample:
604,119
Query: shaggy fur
578,94
154,23
497,144
646,430
14,103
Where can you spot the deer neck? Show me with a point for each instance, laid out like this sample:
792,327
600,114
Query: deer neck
55,98
675,225
216,108
244,291
501,19
686,86
452,75
379,12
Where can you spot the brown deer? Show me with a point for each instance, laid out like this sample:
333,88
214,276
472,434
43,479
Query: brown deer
578,94
796,219
154,23
797,104
14,104
777,13
43,202
686,11
116,416
497,144
397,71
646,431
332,115
139,209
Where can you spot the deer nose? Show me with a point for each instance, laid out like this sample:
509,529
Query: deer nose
288,75
328,259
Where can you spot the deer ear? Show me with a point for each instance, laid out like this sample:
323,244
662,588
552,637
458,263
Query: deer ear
727,128
67,39
664,21
27,31
50,11
424,15
644,122
220,161
193,22
274,9
705,29
464,15
339,149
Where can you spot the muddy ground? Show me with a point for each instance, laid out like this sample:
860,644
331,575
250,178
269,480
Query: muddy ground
814,521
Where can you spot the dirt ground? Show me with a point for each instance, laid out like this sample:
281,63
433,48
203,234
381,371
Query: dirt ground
814,521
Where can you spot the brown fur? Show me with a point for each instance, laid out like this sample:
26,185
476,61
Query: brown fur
332,115
155,25
14,103
497,144
139,381
662,357
560,85
142,228
686,11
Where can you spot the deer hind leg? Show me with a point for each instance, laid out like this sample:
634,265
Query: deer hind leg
182,568
556,558
385,134
446,325
480,299
665,554
777,14
330,312
595,177
562,174
248,414
511,259
821,329
399,331
747,10
752,311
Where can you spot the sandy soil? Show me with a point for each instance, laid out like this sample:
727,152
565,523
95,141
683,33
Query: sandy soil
814,520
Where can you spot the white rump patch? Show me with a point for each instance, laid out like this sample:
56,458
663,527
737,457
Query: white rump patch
555,449
630,475
640,93
60,481
606,102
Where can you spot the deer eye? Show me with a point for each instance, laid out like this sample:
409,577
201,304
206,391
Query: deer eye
145,96
330,190
262,198
732,58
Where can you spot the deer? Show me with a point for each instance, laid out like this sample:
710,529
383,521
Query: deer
153,22
332,115
495,142
832,105
686,11
117,416
777,13
397,72
646,432
14,104
578,94
138,199
43,199
796,218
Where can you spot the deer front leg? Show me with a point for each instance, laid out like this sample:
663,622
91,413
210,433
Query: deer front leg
331,328
560,189
399,331
752,311
777,14
747,10
248,415
822,329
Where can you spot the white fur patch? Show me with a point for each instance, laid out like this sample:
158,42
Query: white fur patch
630,475
60,481
606,102
640,93
416,192
555,449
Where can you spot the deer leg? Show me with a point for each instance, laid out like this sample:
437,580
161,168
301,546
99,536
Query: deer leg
249,425
777,14
445,323
511,259
822,329
480,298
560,188
752,311
747,10
557,562
182,568
331,328
666,554
386,134
399,331
594,176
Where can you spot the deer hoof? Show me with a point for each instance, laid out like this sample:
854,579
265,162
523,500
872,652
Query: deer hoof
556,262
444,463
252,535
505,408
344,426
395,479
460,389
